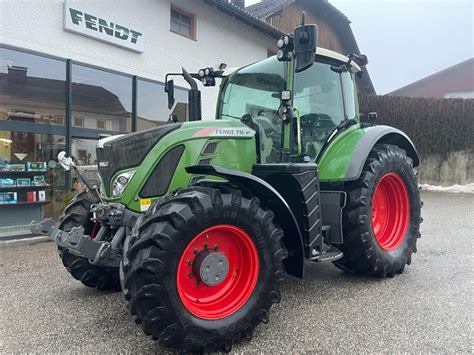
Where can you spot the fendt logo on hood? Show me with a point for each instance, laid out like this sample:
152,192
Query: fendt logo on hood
90,24
233,132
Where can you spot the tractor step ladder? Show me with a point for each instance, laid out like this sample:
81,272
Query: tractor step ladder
329,254
298,183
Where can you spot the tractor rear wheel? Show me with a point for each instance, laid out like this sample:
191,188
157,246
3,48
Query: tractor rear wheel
202,269
381,220
77,214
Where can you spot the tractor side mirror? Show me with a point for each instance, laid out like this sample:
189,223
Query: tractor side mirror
169,89
305,46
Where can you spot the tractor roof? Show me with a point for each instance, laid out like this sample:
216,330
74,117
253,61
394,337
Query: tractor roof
323,52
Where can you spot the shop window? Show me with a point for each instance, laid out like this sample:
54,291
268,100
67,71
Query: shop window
103,99
32,88
83,152
32,184
152,104
59,119
182,22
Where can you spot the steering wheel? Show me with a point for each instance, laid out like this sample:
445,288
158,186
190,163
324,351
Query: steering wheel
317,126
318,117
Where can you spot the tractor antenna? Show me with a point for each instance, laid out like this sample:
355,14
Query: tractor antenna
303,16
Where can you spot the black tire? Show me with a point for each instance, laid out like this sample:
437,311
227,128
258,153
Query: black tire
152,254
76,214
362,253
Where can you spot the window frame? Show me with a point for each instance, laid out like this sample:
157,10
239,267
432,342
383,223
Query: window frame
33,127
81,132
103,123
328,61
351,91
192,22
81,118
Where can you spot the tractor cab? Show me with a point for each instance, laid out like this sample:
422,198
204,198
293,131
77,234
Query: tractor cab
322,98
295,101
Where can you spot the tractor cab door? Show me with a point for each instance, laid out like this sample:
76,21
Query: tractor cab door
322,99
253,94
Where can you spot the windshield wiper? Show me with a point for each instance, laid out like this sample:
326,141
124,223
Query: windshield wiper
345,124
223,114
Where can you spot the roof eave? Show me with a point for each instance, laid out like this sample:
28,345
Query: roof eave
245,17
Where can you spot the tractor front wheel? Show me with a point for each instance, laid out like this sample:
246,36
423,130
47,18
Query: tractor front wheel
202,269
78,214
381,220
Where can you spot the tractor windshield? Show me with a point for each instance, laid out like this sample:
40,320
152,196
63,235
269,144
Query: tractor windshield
255,90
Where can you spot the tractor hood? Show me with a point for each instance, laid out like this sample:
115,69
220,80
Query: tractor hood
143,151
125,151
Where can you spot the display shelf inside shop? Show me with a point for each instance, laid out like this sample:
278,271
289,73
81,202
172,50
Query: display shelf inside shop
24,188
6,174
24,203
22,196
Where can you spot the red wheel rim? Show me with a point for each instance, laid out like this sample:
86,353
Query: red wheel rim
95,230
390,211
226,298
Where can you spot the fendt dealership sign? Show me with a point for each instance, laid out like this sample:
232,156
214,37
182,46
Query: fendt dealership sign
91,24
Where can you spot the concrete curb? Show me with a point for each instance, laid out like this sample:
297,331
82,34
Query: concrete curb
23,239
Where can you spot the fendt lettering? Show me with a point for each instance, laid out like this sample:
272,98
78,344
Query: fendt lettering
103,26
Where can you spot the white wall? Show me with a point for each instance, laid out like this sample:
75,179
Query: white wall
38,25
459,95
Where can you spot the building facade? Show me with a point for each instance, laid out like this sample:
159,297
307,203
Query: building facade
453,82
334,30
73,72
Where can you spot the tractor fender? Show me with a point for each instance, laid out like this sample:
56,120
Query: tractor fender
378,135
271,199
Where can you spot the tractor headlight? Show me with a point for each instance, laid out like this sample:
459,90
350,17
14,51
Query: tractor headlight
121,182
280,42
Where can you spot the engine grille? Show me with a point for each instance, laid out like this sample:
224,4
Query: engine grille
128,151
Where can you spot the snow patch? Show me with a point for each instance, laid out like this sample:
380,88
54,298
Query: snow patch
466,189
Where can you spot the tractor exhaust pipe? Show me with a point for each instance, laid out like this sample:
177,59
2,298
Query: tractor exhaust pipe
194,98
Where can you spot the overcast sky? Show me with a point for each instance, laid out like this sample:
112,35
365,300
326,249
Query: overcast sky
407,40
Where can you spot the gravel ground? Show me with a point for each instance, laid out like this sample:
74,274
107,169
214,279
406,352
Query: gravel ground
426,309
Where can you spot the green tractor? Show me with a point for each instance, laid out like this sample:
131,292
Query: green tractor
199,222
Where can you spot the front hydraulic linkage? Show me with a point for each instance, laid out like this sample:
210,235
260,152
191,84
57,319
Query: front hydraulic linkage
97,251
